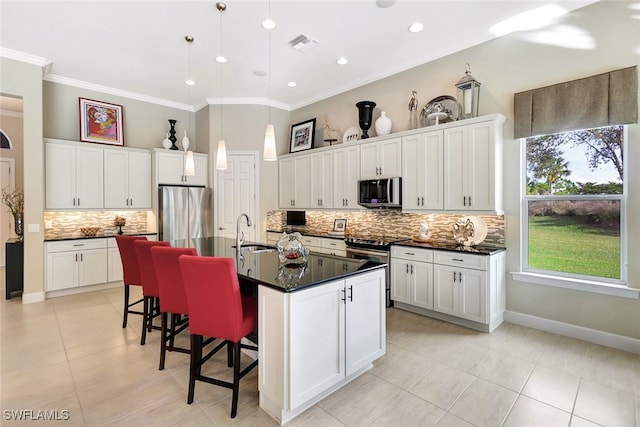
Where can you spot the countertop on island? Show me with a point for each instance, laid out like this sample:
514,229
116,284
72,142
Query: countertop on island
264,268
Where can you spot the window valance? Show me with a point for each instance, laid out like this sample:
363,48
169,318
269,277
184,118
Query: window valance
602,100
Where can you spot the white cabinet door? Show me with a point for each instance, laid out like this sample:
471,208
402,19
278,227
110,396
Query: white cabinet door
400,283
294,182
201,167
170,166
366,322
92,267
346,173
114,265
422,171
317,337
89,177
139,178
62,270
445,291
472,302
470,164
381,159
73,176
421,284
116,179
60,176
321,179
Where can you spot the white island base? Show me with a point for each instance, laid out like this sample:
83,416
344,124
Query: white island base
315,340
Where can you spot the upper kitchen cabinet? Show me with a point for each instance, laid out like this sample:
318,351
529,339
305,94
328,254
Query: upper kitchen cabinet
127,178
473,166
321,179
422,171
346,172
293,180
170,165
73,175
381,159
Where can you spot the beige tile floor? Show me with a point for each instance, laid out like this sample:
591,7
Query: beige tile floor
70,353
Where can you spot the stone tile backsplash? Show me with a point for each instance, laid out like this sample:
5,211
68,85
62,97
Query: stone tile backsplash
391,223
68,224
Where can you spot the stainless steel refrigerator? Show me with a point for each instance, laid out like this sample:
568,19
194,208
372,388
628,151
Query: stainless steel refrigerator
184,212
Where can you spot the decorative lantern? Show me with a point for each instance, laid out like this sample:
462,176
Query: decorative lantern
468,94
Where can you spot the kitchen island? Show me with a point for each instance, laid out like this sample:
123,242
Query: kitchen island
320,325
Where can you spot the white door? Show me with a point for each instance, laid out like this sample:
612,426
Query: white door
236,194
7,181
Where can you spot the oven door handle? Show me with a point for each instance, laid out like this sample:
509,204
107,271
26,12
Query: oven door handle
359,251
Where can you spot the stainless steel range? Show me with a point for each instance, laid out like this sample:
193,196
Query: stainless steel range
373,248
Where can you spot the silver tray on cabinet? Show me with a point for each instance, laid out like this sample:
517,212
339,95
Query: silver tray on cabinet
442,109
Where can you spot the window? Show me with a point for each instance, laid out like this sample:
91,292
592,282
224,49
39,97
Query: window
574,205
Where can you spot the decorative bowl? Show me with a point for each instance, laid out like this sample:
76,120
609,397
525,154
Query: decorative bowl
89,231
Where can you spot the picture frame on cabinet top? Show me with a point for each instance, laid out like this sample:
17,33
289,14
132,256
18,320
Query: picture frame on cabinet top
302,135
101,122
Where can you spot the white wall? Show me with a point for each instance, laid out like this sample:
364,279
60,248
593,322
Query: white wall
505,66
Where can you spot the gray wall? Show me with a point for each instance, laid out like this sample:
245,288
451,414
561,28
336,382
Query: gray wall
505,66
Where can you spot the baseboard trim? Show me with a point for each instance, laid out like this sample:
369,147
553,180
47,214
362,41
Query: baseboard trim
594,336
83,289
32,297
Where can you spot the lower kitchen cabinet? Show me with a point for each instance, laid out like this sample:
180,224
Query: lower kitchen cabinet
76,263
114,263
321,337
468,289
412,276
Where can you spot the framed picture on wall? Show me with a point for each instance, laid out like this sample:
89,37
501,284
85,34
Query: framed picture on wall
339,225
101,122
302,135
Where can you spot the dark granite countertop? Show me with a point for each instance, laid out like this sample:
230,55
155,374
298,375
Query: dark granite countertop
308,232
265,268
452,246
98,236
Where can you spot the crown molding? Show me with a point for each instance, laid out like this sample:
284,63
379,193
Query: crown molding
118,92
249,101
25,57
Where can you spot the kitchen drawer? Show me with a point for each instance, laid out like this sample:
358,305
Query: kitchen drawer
478,262
76,245
412,254
334,244
311,241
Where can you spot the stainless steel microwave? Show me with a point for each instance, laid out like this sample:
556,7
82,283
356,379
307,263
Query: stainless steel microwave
380,193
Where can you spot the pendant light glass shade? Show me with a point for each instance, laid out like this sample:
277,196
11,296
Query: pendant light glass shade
189,165
221,158
269,153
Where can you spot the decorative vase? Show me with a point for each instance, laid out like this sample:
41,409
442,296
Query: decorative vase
166,143
185,141
383,124
172,134
365,114
18,222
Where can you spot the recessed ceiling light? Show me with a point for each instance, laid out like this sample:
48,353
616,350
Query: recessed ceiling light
190,82
342,61
292,84
385,3
259,73
268,24
221,59
416,27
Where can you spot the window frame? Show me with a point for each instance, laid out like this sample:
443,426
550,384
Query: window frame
601,285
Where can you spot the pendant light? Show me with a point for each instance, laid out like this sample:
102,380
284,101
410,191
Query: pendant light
269,154
221,157
189,165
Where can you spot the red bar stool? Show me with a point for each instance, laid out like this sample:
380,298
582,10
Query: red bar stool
173,299
216,309
150,291
130,272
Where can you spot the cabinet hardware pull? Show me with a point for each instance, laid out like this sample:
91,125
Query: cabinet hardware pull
81,259
457,259
346,202
74,201
454,277
351,293
464,201
422,201
76,257
410,253
469,200
78,244
412,269
460,276
78,201
344,295
407,268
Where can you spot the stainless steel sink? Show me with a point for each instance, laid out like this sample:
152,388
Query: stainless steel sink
257,248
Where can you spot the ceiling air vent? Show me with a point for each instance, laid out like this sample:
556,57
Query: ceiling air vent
302,43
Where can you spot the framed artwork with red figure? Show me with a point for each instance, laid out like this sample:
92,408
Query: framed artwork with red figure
101,122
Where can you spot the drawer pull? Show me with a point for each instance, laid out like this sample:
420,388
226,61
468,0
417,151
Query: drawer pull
78,244
457,259
410,253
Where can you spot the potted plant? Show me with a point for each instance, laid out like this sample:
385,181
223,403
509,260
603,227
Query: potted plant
14,200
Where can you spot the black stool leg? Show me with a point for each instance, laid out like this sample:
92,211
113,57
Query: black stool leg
126,306
194,367
145,319
236,378
163,340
